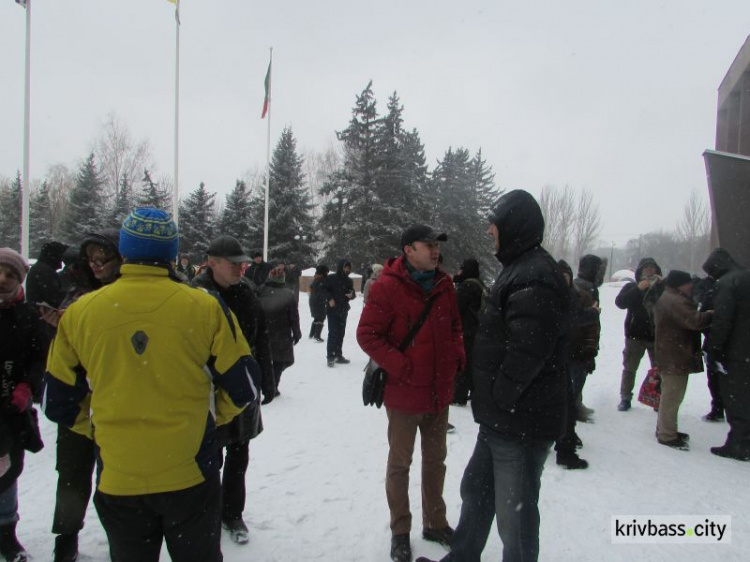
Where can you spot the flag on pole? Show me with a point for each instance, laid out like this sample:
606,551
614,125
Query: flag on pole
176,9
267,98
23,2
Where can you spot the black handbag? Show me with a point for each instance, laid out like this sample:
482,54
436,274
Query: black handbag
375,376
31,437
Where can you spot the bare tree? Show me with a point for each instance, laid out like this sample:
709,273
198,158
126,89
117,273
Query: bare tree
119,155
586,224
558,207
318,167
693,229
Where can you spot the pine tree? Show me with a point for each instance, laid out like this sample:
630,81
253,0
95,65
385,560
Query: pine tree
153,195
10,215
350,216
197,221
39,219
124,202
86,206
291,232
237,215
462,193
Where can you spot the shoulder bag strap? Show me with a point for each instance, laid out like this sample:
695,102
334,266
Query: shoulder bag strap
418,325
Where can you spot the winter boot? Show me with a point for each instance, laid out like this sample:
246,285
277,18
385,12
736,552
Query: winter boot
10,548
679,443
343,360
571,461
730,453
66,548
440,536
715,415
623,406
238,531
400,548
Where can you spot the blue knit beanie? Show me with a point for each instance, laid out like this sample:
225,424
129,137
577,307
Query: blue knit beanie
149,234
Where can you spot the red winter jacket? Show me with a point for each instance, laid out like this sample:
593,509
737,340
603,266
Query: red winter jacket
420,380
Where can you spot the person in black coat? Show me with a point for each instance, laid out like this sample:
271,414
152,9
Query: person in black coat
703,295
519,386
338,290
583,346
470,295
282,317
22,357
591,270
639,328
224,276
729,349
258,270
43,284
317,302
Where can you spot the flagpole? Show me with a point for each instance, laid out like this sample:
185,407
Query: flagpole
268,159
176,189
25,187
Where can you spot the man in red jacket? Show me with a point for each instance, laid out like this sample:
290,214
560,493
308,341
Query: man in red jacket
419,386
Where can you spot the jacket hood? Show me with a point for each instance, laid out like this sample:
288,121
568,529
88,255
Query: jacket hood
469,269
52,254
719,262
592,268
519,222
107,237
340,266
645,262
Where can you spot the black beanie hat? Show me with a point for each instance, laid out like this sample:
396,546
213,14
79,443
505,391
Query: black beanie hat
677,278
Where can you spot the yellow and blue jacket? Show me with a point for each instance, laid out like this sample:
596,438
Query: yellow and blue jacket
164,364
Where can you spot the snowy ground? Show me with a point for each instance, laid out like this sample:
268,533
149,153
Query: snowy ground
316,478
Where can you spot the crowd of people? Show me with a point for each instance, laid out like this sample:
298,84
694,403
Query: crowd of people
101,343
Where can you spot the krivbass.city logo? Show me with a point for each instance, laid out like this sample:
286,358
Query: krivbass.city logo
674,529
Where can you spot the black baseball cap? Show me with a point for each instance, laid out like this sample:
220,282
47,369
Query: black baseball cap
421,233
227,247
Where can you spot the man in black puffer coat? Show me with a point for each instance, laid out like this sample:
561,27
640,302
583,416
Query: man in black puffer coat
520,391
639,328
224,276
729,349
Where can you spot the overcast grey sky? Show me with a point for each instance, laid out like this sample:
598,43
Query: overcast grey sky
615,96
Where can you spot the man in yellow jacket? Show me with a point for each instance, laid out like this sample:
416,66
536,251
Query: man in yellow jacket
157,392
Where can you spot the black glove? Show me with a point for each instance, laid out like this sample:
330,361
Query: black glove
267,399
295,340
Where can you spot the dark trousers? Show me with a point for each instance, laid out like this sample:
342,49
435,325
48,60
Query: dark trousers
75,468
236,460
189,521
316,329
566,444
736,396
714,387
501,481
336,332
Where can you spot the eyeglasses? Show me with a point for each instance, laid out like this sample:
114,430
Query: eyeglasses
100,262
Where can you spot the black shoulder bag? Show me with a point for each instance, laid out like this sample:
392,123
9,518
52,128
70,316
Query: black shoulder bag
374,383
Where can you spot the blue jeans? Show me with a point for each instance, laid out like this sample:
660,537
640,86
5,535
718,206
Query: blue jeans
502,479
9,505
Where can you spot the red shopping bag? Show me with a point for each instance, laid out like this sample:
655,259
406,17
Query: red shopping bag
650,392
